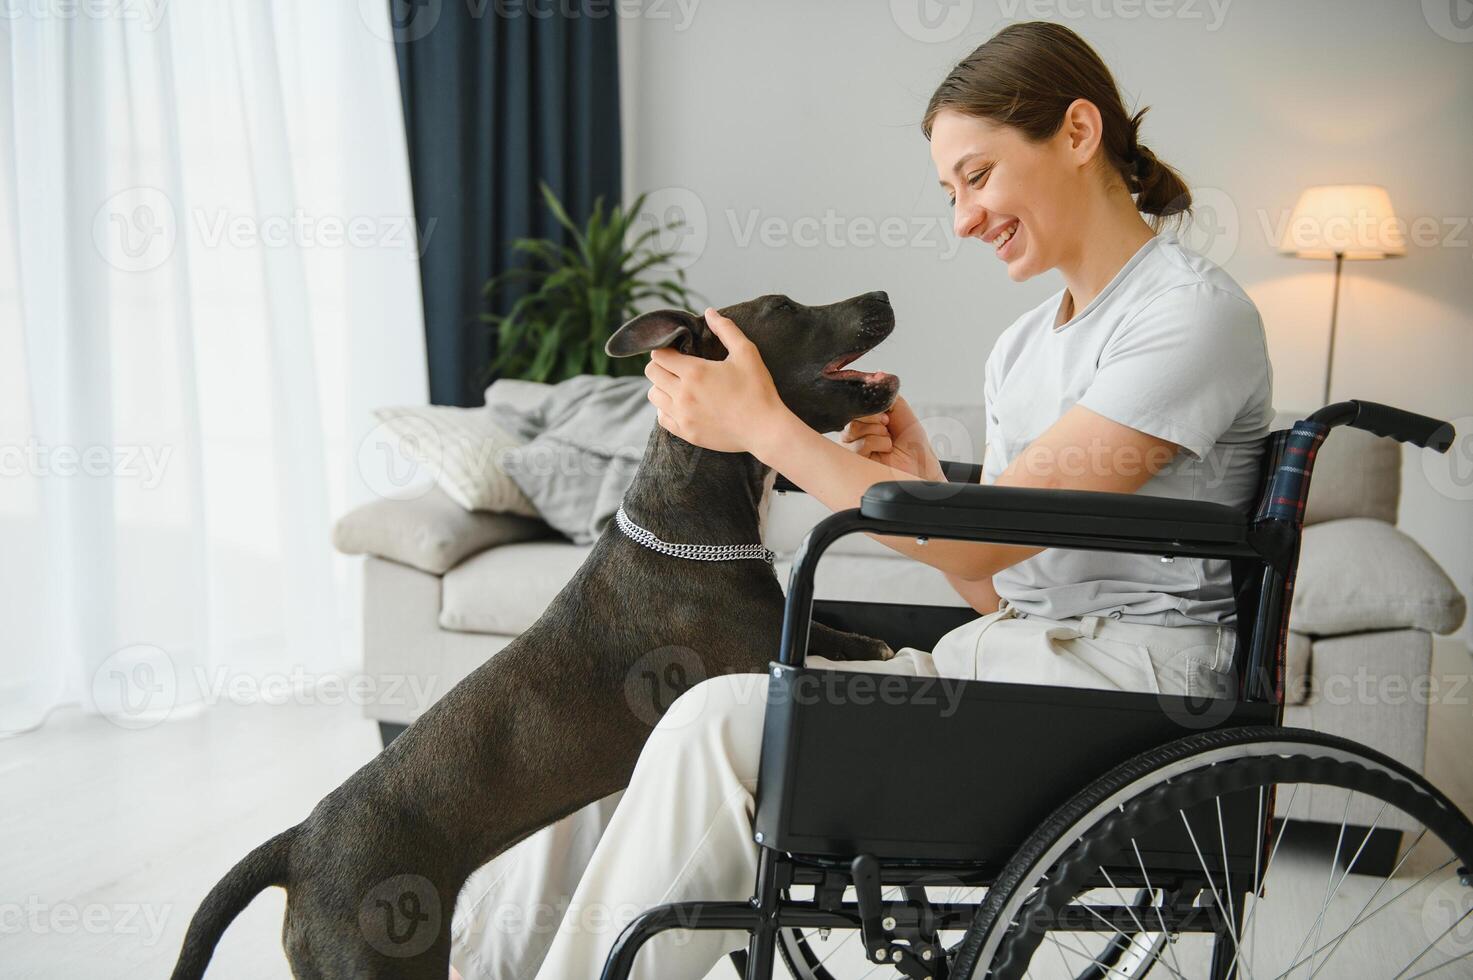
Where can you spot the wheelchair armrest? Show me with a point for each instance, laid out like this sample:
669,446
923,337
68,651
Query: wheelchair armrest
943,507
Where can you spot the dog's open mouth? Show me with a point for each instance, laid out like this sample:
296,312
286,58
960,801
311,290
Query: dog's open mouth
835,370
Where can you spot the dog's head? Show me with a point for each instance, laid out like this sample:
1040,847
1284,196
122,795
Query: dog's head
805,349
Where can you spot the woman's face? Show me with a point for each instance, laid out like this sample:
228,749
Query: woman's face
1002,184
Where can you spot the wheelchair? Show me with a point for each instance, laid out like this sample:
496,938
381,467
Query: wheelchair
1107,834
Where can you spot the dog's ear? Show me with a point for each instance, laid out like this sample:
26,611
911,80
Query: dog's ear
656,329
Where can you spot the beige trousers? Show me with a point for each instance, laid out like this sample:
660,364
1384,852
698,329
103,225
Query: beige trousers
552,906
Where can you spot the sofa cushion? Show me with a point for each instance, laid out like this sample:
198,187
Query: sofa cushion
430,532
862,578
463,448
1356,474
506,589
1296,668
1358,574
591,432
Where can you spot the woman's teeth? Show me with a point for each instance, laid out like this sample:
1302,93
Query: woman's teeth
1003,238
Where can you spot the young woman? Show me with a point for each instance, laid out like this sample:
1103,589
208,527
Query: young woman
1147,373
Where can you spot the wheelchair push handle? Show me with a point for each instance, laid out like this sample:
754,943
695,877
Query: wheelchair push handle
1384,420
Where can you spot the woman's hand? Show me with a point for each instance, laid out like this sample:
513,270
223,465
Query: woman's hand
730,406
895,438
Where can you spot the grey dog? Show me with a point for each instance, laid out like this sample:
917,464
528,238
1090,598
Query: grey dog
557,718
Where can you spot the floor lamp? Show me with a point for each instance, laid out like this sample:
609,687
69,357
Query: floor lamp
1342,221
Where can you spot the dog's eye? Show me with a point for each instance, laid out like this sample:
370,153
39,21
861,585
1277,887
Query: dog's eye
783,305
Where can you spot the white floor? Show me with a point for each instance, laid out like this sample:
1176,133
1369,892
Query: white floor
111,837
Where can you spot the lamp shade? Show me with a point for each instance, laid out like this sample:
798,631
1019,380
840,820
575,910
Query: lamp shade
1353,220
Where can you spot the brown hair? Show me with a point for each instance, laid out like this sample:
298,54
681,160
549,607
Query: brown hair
1026,75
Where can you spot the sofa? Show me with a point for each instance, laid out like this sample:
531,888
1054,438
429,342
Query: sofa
446,588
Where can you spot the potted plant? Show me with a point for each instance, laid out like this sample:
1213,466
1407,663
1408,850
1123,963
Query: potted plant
577,295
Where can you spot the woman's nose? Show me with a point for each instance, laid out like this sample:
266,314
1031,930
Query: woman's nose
968,221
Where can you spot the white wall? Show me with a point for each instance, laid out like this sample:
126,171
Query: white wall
805,116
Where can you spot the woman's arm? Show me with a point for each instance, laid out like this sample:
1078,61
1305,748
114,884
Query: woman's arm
732,406
1083,450
839,478
980,595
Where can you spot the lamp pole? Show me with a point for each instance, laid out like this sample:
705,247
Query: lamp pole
1334,312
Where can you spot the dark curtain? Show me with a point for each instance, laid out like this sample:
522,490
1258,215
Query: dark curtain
493,102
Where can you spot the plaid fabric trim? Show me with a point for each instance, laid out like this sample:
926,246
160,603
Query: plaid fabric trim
1292,452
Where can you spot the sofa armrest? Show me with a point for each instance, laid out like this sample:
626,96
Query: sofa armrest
1359,573
430,532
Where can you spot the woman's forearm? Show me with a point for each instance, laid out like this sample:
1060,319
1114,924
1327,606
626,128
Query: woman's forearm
839,478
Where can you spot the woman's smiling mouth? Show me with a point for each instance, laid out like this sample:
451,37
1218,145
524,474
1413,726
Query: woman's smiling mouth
1004,237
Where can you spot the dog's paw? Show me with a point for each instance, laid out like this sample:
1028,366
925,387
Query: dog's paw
868,648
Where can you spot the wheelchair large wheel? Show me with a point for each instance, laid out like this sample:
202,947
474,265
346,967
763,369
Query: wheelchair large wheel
1314,912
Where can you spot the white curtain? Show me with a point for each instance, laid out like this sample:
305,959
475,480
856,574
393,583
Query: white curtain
208,277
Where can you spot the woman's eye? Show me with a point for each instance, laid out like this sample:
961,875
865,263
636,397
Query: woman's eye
972,180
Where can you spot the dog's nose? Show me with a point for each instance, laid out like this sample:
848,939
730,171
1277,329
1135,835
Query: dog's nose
878,296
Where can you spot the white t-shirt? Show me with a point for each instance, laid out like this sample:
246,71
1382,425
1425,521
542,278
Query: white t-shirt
1172,347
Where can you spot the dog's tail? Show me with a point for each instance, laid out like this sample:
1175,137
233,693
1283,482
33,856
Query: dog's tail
263,867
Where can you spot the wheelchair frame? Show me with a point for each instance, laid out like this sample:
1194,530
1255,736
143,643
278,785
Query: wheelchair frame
842,832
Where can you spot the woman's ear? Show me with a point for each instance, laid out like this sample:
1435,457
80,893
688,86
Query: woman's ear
1083,128
653,330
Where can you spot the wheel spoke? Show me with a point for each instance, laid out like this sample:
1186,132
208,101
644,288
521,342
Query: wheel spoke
1216,895
1319,920
1428,948
1379,909
1349,867
1170,946
1273,852
1432,970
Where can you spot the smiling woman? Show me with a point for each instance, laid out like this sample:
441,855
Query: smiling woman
1147,373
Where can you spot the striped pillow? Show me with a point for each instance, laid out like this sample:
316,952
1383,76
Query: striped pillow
462,449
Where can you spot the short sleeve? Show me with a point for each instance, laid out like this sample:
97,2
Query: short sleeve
1183,368
992,461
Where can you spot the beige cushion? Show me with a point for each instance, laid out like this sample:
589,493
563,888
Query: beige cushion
1357,574
1296,668
462,448
506,589
1356,474
430,532
867,579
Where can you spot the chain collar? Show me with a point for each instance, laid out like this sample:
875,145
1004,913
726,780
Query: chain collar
696,552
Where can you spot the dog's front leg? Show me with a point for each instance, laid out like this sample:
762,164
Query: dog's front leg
825,641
